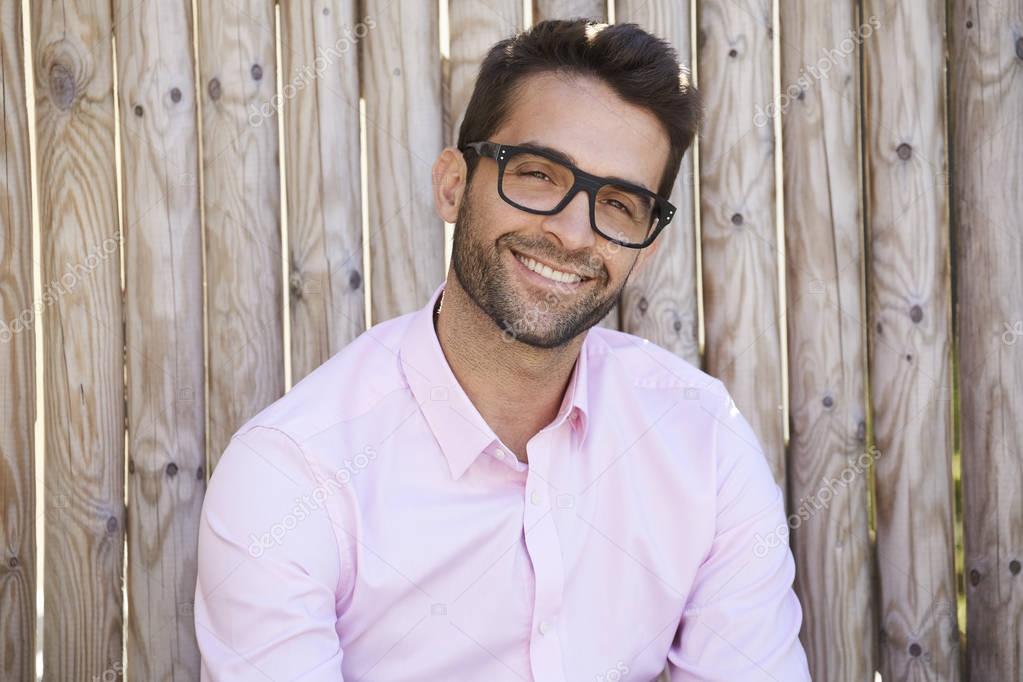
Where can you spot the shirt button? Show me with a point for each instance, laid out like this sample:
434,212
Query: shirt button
535,497
544,627
499,454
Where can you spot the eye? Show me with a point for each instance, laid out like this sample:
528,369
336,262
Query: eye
620,206
539,175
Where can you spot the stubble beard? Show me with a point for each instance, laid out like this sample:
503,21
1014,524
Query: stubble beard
550,320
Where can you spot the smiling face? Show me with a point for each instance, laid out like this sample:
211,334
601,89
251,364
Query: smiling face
545,279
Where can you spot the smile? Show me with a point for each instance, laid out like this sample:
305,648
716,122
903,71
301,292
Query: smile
548,272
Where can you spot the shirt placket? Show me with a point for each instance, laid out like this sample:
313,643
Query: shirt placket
544,551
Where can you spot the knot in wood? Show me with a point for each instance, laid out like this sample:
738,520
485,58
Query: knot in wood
63,88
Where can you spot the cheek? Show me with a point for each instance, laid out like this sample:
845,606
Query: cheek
617,270
493,218
617,261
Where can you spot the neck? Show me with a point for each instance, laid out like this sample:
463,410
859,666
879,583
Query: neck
517,388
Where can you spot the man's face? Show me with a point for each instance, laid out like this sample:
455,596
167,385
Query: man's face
606,136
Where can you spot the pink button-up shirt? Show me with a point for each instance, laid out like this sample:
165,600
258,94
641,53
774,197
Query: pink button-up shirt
370,525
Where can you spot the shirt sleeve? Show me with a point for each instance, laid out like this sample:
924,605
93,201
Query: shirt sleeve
742,618
268,568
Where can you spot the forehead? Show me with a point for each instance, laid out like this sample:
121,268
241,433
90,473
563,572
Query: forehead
585,119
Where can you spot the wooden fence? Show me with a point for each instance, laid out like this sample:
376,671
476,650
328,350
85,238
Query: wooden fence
847,261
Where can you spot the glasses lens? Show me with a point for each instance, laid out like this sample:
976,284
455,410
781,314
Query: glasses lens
538,183
625,215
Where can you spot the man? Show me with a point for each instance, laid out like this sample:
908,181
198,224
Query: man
493,488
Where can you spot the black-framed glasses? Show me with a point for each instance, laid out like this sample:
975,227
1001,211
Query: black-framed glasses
537,181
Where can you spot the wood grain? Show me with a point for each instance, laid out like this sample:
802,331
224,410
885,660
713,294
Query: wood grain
987,103
404,133
909,339
241,198
828,453
82,339
164,333
320,98
475,26
18,323
660,301
569,9
737,216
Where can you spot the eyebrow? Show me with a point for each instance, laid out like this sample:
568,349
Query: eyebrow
568,159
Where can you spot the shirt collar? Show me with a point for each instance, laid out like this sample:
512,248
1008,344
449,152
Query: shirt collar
460,430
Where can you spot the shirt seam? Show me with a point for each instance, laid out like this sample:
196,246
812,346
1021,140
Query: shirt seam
668,379
342,564
403,388
715,461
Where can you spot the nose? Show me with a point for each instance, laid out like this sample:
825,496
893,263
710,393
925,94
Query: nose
571,225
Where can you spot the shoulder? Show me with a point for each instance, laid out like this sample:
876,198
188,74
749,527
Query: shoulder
707,414
646,367
350,383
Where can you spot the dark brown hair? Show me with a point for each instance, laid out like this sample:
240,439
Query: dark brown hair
641,68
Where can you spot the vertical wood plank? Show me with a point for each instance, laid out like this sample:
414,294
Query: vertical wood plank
404,133
474,25
320,98
828,458
241,196
909,338
737,207
569,9
83,341
18,322
164,333
987,80
660,302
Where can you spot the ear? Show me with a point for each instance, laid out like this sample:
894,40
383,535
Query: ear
449,174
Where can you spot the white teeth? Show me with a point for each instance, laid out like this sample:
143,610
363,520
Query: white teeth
545,271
